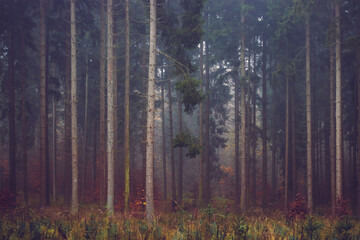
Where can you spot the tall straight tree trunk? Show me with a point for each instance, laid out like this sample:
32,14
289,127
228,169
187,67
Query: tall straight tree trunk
67,155
254,138
172,156
293,141
309,155
127,112
102,134
43,117
163,139
110,109
144,108
338,106
237,131
201,133
23,120
12,125
264,125
332,124
287,143
74,139
243,206
151,116
207,193
180,150
94,148
84,153
358,130
273,167
115,87
54,152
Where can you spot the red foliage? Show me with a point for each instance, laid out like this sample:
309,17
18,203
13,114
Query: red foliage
297,209
7,199
342,208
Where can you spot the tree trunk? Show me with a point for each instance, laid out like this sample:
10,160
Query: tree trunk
207,193
67,157
309,161
163,139
12,123
43,116
264,125
237,131
110,109
94,148
201,133
180,150
23,120
287,143
127,112
338,106
293,141
243,117
172,156
332,124
358,130
54,152
74,139
84,153
102,160
151,116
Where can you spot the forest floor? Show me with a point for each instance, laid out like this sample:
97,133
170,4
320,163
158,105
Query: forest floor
217,221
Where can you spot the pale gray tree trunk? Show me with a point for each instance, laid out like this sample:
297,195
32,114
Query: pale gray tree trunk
338,104
110,109
74,139
102,126
151,116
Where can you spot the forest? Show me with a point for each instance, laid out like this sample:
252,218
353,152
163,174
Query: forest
179,119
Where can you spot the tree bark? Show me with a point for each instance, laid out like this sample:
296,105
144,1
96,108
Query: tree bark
23,120
11,111
332,124
201,133
243,141
264,125
358,131
127,112
102,160
67,156
172,156
151,116
338,105
309,161
43,117
84,153
54,152
207,192
180,150
74,139
163,140
237,150
287,143
110,109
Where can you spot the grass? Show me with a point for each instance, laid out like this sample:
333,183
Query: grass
217,221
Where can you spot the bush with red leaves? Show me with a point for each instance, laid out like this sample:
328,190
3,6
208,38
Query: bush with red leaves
297,209
342,208
7,199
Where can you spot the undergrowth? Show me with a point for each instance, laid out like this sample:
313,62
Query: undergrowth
218,222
